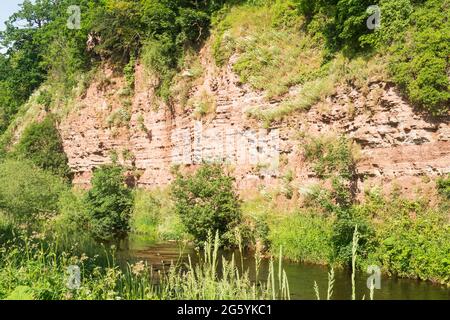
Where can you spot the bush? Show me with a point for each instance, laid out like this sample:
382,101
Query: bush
159,55
207,203
27,191
109,204
41,144
342,236
416,246
420,63
74,217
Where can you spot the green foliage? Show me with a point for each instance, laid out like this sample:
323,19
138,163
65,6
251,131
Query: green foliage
118,24
45,99
172,27
154,217
23,261
342,236
39,46
27,191
21,293
109,203
333,159
160,56
331,156
272,54
41,143
73,213
304,237
129,72
420,62
412,240
207,203
443,186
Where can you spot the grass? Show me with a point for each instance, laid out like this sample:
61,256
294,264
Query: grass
286,61
22,263
269,57
358,73
331,278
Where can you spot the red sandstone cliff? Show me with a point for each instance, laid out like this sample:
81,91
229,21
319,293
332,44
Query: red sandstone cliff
397,144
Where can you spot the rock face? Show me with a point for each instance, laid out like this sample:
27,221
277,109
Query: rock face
397,144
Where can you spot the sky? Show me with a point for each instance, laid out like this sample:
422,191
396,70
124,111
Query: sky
7,8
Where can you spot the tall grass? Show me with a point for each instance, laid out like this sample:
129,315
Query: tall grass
22,263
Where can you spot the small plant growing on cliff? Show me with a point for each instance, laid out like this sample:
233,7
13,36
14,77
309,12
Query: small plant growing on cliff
44,99
109,204
443,186
207,202
129,72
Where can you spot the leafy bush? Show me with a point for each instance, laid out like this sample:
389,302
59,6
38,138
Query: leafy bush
420,62
342,236
41,143
207,203
73,214
27,191
45,99
414,242
160,56
109,203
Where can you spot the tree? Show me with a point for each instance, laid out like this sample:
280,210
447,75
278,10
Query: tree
109,204
207,203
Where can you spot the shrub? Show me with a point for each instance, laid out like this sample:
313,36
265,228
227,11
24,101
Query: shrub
45,99
146,215
26,190
109,203
159,55
416,246
128,71
207,203
342,236
420,62
154,217
42,144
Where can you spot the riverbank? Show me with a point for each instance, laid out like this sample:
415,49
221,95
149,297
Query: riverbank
405,238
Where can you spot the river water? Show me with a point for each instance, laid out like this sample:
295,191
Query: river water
301,276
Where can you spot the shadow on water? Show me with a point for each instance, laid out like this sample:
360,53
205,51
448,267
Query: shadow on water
301,276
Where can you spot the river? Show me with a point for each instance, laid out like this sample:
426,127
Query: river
301,276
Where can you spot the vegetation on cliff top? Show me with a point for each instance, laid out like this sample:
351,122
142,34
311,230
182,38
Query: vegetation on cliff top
279,44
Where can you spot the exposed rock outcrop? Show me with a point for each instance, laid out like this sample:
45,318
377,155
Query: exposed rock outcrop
397,144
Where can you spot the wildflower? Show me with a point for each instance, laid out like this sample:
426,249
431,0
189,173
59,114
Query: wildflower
138,268
83,258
